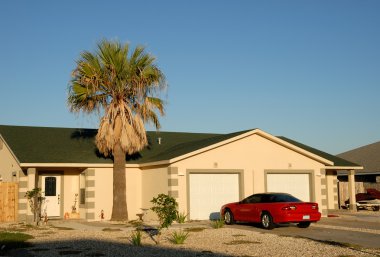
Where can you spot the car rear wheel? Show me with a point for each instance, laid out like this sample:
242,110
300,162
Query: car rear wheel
228,217
305,224
267,221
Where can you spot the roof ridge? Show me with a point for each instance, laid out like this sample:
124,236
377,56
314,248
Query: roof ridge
338,161
190,146
360,148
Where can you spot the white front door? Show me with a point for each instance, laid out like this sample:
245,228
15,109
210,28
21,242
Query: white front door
51,190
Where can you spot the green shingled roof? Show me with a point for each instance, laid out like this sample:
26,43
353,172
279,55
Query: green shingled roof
71,145
336,160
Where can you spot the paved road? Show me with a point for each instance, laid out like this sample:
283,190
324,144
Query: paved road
340,230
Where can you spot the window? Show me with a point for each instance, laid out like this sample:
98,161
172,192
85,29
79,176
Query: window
50,186
82,187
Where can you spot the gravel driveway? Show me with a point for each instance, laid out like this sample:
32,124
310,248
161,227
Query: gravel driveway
202,241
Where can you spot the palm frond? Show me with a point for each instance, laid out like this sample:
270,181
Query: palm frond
125,87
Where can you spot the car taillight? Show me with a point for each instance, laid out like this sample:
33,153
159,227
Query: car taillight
314,207
289,208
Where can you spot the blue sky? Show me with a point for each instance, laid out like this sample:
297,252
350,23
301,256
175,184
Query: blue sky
307,70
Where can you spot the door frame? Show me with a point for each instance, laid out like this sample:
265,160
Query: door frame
58,174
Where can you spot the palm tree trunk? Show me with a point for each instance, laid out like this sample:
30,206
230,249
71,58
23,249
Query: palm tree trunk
119,208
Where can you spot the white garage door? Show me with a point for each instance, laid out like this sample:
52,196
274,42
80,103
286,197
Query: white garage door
297,185
208,192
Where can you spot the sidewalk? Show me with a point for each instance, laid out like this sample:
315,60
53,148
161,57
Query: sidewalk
362,215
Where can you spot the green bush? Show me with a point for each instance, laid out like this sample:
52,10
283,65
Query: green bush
136,238
218,223
181,217
165,207
35,200
178,237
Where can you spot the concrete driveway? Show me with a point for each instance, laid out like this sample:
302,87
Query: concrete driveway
360,229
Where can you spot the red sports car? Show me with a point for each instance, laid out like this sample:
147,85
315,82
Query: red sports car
270,209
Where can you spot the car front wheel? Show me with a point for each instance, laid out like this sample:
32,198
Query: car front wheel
305,224
228,217
267,221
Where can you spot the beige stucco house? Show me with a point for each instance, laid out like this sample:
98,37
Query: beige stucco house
202,171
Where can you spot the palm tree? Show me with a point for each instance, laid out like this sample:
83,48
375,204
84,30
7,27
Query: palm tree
124,88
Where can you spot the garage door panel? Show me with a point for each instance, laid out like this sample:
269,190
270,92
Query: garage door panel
208,192
294,184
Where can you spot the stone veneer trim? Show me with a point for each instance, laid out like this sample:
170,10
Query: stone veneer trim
172,182
173,193
23,184
89,182
90,172
172,171
22,206
90,216
90,194
90,205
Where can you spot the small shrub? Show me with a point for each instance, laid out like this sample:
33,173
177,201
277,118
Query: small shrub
35,200
181,217
217,224
165,207
178,237
136,238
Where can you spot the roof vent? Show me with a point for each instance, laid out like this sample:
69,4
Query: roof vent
159,140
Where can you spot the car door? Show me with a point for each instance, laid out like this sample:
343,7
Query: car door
247,210
254,210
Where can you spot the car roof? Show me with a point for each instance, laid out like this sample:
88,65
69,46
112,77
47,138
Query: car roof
272,193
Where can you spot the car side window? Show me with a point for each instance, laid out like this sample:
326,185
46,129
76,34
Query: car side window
266,199
251,199
245,200
279,198
254,199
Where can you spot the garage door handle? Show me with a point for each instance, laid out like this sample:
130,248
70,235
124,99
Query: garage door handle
59,198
